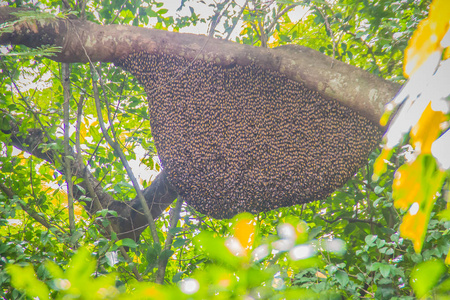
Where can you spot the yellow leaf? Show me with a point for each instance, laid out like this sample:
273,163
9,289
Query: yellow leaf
83,131
426,130
446,54
406,185
389,109
415,188
426,39
379,167
414,226
244,230
154,292
320,275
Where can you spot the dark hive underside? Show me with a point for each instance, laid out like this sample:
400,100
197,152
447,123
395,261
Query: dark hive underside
246,139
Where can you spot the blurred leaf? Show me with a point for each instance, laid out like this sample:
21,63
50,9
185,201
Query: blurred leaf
415,187
24,278
426,275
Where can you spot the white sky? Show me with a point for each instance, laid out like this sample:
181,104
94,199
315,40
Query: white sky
204,10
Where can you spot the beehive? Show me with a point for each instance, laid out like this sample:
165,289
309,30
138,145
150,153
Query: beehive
243,138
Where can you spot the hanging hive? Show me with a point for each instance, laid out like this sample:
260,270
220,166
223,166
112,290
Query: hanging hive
243,138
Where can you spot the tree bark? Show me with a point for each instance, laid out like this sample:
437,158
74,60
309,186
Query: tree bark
83,41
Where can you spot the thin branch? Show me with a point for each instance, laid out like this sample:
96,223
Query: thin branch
122,157
130,221
329,30
65,69
215,20
30,109
352,220
10,194
66,4
279,15
82,7
237,20
95,201
174,217
262,34
119,11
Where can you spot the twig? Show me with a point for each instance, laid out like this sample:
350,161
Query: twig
237,20
82,5
66,4
119,11
215,20
279,15
262,34
352,220
65,70
175,216
95,201
31,212
330,31
30,109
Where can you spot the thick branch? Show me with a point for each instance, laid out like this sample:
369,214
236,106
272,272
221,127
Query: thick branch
82,41
130,221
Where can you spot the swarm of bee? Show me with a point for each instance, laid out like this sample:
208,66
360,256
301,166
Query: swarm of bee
242,138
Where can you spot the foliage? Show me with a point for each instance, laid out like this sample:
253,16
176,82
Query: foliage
424,115
235,269
37,250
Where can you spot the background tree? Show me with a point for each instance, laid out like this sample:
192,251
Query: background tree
377,262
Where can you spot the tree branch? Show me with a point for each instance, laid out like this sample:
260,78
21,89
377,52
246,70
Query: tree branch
32,213
352,220
83,40
237,20
174,217
115,145
65,70
130,221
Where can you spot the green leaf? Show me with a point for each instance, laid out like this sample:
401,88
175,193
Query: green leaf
75,237
378,189
54,270
385,270
426,275
342,277
314,232
179,242
175,230
370,240
127,243
166,254
215,248
380,243
177,277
